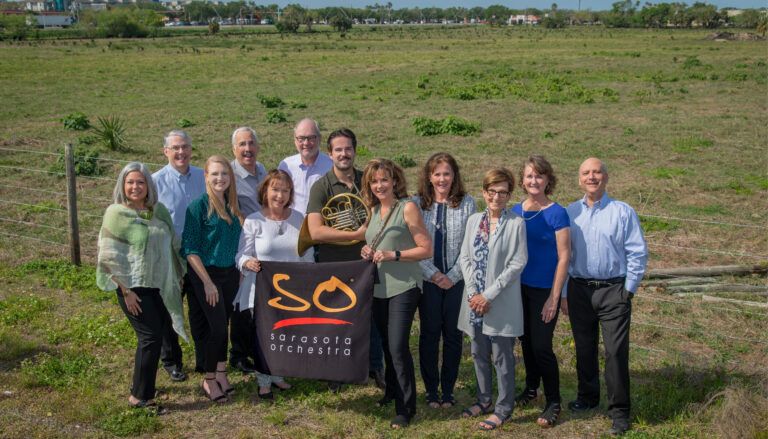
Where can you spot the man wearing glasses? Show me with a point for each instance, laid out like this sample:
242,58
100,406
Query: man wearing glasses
249,173
178,183
306,167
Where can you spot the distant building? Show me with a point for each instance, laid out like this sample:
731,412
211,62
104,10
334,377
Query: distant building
523,19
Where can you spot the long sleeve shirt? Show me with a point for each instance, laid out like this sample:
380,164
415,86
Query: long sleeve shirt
455,225
607,242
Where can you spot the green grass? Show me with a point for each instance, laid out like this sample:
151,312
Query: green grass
679,142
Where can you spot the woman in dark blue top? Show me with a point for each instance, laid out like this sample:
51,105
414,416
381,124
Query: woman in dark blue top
549,252
209,242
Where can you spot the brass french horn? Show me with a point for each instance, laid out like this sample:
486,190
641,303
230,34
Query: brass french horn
342,212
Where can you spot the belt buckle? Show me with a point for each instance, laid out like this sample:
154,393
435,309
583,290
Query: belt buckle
595,283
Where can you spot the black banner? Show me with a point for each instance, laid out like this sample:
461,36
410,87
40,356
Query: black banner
313,320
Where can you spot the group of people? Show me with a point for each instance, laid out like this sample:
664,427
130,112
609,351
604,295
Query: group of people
496,275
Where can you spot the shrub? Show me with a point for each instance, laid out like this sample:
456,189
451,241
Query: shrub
120,23
213,27
449,125
276,116
341,23
111,133
404,160
76,121
14,27
185,123
86,161
270,101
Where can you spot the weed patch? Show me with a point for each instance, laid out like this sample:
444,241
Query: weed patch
100,330
14,347
185,123
270,101
651,224
23,309
404,160
276,116
59,371
86,161
61,274
131,422
690,144
449,125
76,121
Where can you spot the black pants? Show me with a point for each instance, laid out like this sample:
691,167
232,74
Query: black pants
540,360
171,355
439,314
149,325
242,328
610,307
217,317
394,317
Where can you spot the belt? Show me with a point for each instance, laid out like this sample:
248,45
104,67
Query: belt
599,283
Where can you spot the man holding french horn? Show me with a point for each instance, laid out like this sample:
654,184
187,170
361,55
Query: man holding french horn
334,223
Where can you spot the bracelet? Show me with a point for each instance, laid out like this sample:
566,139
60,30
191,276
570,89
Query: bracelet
397,255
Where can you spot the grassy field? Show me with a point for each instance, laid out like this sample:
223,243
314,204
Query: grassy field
680,120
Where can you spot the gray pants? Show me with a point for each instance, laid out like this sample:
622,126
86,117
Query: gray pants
500,350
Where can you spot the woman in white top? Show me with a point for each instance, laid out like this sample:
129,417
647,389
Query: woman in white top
270,234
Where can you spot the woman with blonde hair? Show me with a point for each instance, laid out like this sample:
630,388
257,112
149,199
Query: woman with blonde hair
209,242
493,255
396,240
139,258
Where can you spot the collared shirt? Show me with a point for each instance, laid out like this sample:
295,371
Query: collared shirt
248,186
304,176
176,190
607,242
326,187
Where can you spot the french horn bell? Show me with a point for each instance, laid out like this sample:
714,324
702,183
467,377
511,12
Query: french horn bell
342,212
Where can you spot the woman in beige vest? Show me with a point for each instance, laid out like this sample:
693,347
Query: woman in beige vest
396,240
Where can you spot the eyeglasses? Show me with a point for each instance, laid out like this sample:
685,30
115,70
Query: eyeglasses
492,193
179,148
310,139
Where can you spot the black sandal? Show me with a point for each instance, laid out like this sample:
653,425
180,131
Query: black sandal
526,396
548,418
482,410
400,421
151,406
219,399
229,390
432,401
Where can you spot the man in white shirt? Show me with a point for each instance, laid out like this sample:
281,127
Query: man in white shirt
306,167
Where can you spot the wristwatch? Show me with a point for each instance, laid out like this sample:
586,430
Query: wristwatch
397,255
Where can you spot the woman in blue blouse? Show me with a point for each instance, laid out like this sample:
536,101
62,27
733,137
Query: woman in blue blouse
445,206
549,251
209,242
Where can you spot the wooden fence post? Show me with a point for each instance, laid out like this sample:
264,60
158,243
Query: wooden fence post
74,229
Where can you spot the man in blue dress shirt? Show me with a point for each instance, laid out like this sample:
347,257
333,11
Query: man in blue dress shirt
249,174
178,183
608,261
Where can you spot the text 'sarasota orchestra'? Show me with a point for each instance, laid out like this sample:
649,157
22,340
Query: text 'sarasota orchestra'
498,275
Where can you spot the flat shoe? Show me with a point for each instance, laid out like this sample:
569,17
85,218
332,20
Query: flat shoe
488,425
482,410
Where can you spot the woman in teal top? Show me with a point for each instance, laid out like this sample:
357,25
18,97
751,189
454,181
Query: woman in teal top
396,240
209,242
138,257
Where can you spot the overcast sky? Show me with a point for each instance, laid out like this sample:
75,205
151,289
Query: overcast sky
595,5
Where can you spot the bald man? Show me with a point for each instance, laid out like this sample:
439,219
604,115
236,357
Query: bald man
608,261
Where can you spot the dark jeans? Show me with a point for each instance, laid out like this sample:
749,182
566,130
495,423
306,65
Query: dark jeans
610,307
149,326
394,317
171,354
217,317
439,314
540,360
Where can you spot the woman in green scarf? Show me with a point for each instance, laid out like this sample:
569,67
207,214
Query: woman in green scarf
139,257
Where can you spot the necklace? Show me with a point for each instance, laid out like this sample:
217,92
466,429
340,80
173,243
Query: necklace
522,209
275,218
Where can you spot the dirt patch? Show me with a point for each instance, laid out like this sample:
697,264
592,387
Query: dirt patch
730,36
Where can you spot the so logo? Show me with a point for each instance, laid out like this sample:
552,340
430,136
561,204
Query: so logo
331,285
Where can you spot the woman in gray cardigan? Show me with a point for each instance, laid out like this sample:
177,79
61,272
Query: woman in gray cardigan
493,255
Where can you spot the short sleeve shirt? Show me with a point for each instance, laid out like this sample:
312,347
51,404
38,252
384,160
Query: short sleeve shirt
540,227
323,190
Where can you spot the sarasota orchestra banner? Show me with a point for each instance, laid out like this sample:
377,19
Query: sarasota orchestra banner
313,320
